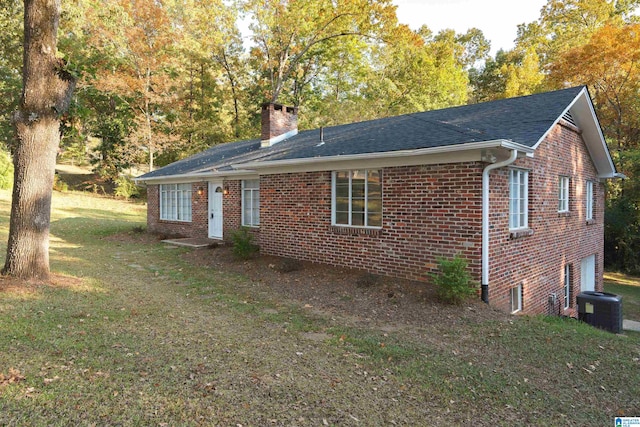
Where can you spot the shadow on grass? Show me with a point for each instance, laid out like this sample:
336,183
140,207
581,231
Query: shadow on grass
97,214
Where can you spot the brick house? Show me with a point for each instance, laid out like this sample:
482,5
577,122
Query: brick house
515,186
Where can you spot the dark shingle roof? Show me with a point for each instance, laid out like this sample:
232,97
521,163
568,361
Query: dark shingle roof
217,157
523,120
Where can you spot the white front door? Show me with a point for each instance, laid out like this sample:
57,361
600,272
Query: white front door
588,274
215,210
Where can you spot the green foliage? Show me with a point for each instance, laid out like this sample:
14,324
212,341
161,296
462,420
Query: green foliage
111,155
453,280
288,54
126,188
243,246
622,235
622,217
73,151
11,14
6,171
59,184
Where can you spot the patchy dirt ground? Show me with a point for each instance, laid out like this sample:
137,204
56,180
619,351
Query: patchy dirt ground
347,293
17,286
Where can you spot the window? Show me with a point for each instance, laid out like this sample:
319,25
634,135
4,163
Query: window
357,198
518,198
516,299
175,202
589,204
563,194
251,202
567,286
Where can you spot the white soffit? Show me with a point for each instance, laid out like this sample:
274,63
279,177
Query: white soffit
584,117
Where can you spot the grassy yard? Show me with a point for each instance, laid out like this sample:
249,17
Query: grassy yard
629,288
130,333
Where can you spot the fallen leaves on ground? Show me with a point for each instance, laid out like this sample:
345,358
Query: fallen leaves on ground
13,377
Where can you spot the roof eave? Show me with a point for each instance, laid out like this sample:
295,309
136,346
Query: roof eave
591,133
191,177
470,146
616,175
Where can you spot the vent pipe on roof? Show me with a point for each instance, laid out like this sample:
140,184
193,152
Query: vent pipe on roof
321,143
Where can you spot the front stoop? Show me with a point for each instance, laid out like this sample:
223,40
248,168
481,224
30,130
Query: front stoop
194,242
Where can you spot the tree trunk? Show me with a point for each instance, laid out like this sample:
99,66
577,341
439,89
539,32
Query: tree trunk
147,116
46,94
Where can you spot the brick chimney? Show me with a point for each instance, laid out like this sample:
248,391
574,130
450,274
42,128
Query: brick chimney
279,122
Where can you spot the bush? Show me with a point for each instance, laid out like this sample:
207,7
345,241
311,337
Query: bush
453,280
126,188
6,170
243,246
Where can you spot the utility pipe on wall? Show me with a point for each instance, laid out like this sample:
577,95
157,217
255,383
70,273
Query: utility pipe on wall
484,293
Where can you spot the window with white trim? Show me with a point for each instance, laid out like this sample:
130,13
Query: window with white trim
516,299
357,198
567,286
563,194
175,202
589,201
251,202
518,199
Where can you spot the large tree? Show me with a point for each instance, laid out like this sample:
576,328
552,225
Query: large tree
291,36
136,41
46,95
610,64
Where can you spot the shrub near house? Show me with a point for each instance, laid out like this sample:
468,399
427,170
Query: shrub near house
513,186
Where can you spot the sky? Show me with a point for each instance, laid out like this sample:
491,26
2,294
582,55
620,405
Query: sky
498,19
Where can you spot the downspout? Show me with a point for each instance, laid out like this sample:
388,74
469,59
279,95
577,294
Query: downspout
484,292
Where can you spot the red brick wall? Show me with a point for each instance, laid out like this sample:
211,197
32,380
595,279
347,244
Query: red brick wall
198,227
537,261
232,207
428,211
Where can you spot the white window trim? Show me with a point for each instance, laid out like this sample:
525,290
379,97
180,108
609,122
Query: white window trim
366,195
518,290
567,286
171,204
252,192
563,193
589,201
523,202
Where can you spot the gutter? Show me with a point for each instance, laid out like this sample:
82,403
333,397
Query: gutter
484,293
478,145
193,176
